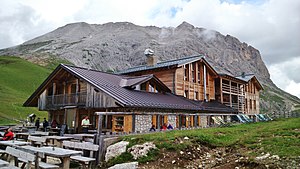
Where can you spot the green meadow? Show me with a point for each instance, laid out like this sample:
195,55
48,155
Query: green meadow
279,137
18,80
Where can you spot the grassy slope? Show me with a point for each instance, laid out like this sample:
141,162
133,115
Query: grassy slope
280,137
18,80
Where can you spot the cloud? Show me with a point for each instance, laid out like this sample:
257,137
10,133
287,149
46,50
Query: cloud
286,75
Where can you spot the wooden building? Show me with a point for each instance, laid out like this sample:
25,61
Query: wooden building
251,90
187,76
133,103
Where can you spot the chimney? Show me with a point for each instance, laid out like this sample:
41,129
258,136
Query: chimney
151,58
243,74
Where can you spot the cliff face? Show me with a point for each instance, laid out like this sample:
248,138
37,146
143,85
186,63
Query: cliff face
117,46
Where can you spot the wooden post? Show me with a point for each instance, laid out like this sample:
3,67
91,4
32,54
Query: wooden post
230,99
99,140
221,90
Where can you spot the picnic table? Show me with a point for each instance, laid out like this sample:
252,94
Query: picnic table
26,134
14,143
81,137
56,152
59,139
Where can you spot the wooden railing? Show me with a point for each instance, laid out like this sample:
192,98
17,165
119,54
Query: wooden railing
72,99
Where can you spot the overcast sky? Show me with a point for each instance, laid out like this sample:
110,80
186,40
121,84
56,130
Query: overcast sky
271,26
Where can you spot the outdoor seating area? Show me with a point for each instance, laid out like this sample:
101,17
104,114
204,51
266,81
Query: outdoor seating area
40,150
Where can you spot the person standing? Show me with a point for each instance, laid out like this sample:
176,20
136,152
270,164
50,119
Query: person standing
37,123
85,124
45,124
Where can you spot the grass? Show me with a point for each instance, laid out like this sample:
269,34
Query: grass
280,137
19,79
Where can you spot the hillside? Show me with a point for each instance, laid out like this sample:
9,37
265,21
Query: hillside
261,145
19,79
117,46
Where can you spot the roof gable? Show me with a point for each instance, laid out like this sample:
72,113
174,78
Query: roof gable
170,63
248,78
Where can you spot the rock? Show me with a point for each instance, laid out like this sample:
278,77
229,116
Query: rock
131,165
115,150
173,161
262,157
181,152
275,157
186,138
138,151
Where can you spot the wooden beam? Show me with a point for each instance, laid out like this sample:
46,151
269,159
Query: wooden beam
160,113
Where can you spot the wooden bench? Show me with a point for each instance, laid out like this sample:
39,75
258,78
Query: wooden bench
84,146
42,133
28,159
3,163
37,141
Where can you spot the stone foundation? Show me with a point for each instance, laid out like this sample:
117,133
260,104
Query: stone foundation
203,121
172,120
143,123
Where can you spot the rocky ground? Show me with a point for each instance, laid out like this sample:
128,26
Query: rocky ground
219,158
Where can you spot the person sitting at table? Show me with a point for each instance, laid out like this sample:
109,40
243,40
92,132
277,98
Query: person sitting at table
8,135
54,124
85,124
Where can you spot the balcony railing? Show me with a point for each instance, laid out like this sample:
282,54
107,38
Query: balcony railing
72,99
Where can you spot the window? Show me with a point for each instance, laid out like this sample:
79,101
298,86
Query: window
254,104
186,94
194,72
199,73
246,104
196,96
186,72
250,104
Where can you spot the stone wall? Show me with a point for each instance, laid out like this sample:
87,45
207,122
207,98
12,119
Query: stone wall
203,121
143,123
172,120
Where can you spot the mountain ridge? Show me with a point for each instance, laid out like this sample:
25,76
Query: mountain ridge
120,45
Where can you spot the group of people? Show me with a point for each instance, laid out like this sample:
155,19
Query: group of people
163,127
54,124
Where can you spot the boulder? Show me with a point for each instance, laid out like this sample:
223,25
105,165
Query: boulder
138,151
131,165
115,150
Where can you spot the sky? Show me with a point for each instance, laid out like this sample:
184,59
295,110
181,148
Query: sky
271,26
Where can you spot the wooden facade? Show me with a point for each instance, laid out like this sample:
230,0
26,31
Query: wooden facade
230,91
187,80
252,97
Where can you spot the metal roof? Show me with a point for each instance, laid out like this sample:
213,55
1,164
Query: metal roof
175,62
215,106
110,84
116,86
246,77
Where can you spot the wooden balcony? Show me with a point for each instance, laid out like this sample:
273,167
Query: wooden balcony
62,100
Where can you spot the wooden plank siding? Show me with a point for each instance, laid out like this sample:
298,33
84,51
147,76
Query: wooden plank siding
252,97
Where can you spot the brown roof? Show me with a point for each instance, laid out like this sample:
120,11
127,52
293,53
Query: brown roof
120,88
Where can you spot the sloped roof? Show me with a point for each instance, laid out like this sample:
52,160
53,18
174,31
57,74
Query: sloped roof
116,86
214,106
169,63
248,77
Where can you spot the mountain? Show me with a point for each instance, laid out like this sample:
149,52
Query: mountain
117,46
